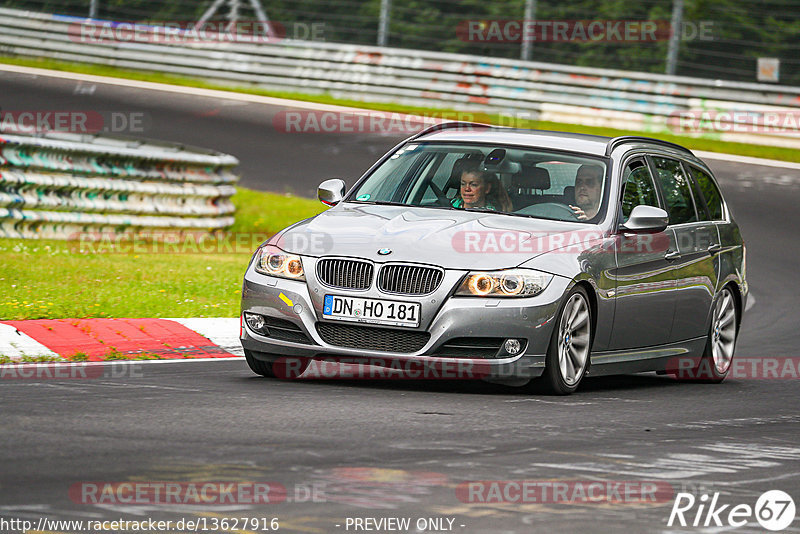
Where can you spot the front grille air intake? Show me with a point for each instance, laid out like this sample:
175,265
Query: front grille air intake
409,279
470,347
370,338
345,274
285,331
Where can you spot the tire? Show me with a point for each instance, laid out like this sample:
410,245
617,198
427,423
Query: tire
280,368
715,363
570,346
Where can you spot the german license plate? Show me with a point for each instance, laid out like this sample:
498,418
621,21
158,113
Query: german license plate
374,311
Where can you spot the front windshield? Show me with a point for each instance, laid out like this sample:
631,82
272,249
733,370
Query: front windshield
511,180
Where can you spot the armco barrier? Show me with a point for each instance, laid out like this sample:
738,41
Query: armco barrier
559,93
63,185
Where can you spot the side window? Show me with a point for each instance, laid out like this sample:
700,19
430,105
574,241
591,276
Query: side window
710,193
676,189
638,188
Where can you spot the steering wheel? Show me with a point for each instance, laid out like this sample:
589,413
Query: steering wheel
554,209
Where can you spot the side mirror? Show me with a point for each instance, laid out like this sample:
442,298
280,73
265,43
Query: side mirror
331,192
646,220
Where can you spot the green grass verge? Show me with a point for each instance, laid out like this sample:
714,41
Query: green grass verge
711,145
57,279
30,359
110,356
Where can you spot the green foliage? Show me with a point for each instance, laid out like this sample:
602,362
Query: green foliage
40,359
114,354
260,214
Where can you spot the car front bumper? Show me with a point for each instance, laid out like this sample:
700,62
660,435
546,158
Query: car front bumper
530,319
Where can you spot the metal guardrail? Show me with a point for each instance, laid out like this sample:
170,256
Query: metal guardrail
63,185
548,92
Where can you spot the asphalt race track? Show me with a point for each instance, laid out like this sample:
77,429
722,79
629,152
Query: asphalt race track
401,449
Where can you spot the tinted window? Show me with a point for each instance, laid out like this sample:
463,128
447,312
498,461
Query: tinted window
677,193
505,179
710,192
638,189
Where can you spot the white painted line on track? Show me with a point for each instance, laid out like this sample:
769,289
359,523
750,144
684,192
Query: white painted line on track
222,331
178,360
300,104
66,363
16,344
185,90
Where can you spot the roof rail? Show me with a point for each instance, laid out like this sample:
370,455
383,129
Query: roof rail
449,125
614,143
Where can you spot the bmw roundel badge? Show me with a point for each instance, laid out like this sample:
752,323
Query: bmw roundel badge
385,251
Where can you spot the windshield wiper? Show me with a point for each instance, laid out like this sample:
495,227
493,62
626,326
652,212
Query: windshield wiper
378,202
485,210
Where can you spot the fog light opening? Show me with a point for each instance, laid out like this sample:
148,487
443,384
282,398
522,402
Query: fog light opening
255,322
513,346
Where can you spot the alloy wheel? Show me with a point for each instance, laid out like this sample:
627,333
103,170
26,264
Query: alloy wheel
574,334
723,331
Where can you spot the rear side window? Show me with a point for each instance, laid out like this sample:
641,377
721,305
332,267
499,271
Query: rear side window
710,192
676,189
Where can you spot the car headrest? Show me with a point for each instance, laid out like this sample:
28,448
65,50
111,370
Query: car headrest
530,177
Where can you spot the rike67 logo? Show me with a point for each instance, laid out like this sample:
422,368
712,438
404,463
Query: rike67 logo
774,510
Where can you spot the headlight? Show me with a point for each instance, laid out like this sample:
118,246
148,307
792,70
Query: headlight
274,262
511,283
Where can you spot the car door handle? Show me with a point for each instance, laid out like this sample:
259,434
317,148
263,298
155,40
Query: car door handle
672,255
713,248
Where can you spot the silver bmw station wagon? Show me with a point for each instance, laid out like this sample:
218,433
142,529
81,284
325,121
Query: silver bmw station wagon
507,255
